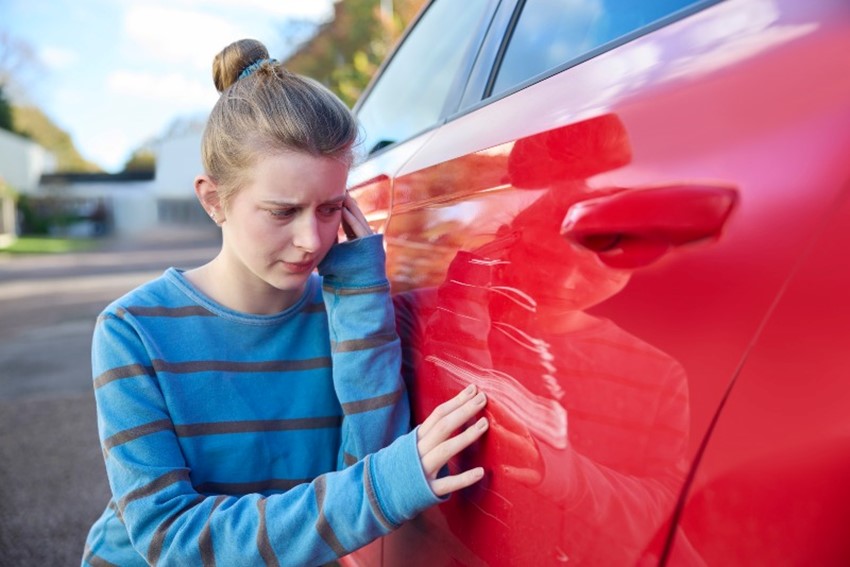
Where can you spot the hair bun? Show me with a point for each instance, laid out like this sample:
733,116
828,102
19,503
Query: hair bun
229,63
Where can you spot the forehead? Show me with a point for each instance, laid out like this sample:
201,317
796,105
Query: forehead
297,177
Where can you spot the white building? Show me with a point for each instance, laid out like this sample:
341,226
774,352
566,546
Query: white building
22,162
134,202
178,162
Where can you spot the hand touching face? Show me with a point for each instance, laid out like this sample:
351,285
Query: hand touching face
354,222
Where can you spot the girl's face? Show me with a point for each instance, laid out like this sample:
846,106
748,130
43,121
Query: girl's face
281,224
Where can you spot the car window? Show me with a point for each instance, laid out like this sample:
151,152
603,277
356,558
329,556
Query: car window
550,33
411,92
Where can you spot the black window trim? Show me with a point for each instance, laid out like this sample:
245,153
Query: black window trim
503,47
480,94
500,24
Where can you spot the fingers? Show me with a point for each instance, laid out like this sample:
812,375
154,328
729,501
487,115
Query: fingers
449,417
449,484
433,460
354,222
446,407
438,440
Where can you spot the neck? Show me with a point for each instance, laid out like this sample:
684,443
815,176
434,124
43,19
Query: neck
238,290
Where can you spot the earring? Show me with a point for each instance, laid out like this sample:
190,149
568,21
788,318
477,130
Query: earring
213,217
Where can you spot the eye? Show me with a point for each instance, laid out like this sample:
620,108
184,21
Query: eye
329,210
283,213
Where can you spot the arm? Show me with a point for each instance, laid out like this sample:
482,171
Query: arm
365,347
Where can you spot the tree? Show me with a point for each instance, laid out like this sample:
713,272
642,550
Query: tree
32,123
5,111
143,159
346,52
18,64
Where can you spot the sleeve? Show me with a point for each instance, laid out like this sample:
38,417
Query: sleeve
169,522
365,347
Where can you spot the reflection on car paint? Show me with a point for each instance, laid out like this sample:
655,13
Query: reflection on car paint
596,432
725,341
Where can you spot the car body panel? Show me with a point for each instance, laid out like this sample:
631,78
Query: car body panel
771,487
606,377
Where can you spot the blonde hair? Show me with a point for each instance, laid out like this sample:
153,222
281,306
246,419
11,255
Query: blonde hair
266,111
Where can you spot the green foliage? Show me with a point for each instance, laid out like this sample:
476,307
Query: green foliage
142,160
347,51
39,216
5,111
46,245
34,124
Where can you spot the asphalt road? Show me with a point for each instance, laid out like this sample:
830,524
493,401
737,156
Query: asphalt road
52,480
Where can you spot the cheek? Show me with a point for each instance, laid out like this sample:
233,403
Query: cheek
265,236
330,232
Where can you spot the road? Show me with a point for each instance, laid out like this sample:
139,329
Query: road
52,480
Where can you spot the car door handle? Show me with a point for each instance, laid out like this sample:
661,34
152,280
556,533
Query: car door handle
633,228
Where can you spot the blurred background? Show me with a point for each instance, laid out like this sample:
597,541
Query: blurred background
102,103
102,106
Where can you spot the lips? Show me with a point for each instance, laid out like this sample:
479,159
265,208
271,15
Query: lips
299,267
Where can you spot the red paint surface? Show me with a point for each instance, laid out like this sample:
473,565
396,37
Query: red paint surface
604,376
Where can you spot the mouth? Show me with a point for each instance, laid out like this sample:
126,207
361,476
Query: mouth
299,267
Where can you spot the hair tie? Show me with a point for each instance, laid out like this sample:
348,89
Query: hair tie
254,66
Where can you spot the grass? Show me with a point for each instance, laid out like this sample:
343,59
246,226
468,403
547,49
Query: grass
47,245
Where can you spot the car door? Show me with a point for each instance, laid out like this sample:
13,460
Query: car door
595,240
421,82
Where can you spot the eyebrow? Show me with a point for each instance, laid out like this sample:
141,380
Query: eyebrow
335,200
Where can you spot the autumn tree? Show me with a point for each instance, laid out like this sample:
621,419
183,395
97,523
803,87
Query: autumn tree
345,52
141,160
31,122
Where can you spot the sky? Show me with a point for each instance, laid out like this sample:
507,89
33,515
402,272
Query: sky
115,74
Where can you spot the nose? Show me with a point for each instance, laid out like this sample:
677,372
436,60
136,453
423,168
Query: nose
306,234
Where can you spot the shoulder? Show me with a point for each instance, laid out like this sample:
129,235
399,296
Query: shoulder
162,291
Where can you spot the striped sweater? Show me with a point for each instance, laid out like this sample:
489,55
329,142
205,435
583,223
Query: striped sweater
239,439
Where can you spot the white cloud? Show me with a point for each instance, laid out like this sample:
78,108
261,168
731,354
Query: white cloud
178,37
56,57
175,89
193,31
312,10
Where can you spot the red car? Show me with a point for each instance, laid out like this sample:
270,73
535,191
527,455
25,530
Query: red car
628,223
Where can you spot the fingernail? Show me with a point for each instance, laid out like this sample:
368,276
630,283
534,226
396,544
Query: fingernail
480,399
469,389
482,423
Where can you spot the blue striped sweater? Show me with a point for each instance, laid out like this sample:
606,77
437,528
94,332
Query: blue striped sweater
239,439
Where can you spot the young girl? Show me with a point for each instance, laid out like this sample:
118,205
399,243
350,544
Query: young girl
250,411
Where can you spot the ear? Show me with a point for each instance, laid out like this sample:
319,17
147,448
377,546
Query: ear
207,193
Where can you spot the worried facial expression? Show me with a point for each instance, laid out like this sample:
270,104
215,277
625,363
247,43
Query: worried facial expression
281,224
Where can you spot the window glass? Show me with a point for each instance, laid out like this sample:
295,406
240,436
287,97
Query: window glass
410,95
550,33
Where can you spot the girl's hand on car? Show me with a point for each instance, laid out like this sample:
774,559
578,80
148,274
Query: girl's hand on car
437,441
354,222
